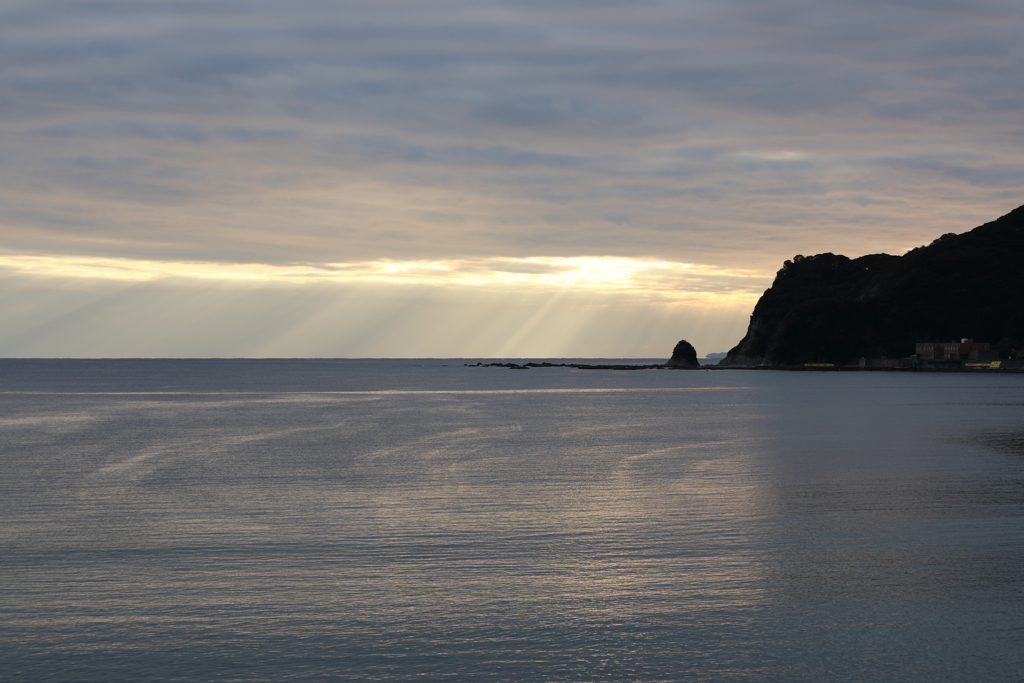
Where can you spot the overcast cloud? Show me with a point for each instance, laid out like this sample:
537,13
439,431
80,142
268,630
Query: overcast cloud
727,133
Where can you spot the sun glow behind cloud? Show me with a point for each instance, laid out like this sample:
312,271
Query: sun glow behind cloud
473,308
657,280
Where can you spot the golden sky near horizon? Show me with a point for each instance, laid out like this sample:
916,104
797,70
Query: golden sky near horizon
485,179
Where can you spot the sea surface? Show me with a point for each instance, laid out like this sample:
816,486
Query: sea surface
369,520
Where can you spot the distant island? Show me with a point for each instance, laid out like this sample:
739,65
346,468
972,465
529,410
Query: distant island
832,310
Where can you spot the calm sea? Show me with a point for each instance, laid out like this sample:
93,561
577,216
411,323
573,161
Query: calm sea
280,520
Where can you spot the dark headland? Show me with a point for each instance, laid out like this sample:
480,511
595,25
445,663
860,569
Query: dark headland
829,309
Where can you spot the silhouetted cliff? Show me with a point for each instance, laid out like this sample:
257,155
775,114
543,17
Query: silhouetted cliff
832,309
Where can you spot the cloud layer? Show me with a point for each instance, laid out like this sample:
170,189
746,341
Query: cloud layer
729,134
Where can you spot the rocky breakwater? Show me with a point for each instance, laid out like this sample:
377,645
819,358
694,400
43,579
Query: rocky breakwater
684,357
578,366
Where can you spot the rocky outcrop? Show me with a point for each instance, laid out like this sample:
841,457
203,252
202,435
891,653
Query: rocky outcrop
683,356
833,309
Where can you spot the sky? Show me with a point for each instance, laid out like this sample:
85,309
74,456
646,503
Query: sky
478,179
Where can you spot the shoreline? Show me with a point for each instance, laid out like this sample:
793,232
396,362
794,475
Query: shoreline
1016,368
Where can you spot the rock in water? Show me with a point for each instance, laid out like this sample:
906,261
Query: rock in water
683,356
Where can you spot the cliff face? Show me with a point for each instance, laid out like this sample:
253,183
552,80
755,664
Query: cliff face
832,309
